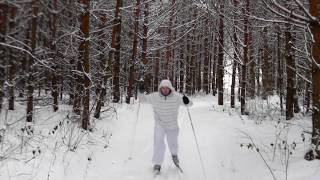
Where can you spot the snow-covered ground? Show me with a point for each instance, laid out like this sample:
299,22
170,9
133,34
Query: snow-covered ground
233,147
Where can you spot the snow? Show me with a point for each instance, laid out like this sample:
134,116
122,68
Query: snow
115,150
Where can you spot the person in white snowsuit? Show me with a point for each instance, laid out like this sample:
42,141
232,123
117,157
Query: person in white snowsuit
165,104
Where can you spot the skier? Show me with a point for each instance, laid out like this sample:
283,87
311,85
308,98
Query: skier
165,104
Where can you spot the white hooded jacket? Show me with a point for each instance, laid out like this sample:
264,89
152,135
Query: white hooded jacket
165,108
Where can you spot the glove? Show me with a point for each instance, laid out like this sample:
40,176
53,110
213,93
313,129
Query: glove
141,87
185,100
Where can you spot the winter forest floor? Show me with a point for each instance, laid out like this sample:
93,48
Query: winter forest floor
233,147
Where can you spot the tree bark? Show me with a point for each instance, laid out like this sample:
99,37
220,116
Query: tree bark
206,58
245,59
266,67
134,53
116,45
252,64
290,65
182,68
220,68
55,79
315,28
12,60
156,71
30,61
214,66
3,56
235,56
280,69
144,53
188,64
101,91
85,61
169,55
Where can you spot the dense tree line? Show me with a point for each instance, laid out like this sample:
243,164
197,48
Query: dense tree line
93,52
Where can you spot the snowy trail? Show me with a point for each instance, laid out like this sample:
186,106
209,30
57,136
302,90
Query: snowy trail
218,139
219,130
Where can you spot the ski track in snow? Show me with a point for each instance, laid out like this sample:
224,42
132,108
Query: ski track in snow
219,132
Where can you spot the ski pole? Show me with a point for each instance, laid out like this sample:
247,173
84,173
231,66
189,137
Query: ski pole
134,133
196,140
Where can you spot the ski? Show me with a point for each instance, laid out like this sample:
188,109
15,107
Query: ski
156,173
156,170
179,168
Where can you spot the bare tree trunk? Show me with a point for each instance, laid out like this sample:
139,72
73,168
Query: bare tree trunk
193,64
307,92
220,68
78,91
3,56
280,69
245,59
315,27
116,45
290,65
30,80
101,91
198,62
182,69
235,56
55,90
214,66
206,58
85,61
188,64
145,61
12,60
296,107
157,71
266,68
210,54
239,81
259,59
252,65
134,53
169,55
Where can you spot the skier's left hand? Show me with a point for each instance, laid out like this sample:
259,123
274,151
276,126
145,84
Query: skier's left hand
185,100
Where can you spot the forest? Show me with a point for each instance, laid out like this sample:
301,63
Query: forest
85,58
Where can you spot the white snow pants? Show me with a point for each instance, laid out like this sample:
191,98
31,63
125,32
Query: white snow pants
159,146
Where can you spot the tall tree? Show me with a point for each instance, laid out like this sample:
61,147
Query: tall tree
103,78
12,59
30,62
3,54
206,58
220,68
251,63
280,68
85,61
290,67
53,26
144,53
134,52
245,58
235,55
315,28
116,45
214,65
169,55
265,65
